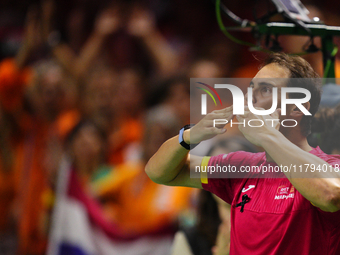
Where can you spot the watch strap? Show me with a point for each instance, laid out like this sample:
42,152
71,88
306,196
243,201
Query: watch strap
181,139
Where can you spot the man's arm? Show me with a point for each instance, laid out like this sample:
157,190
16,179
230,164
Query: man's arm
171,164
320,188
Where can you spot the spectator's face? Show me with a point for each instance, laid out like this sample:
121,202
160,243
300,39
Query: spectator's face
206,69
101,95
266,79
129,92
52,90
87,146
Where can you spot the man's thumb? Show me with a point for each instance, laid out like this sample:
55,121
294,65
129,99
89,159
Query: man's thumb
277,113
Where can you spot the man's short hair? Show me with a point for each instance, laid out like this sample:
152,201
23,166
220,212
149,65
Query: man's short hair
300,68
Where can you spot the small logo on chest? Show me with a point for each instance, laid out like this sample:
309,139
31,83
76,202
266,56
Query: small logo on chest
283,192
249,187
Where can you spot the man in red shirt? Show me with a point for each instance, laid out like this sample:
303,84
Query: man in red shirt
271,213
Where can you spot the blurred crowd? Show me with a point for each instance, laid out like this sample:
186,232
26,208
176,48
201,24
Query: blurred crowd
103,84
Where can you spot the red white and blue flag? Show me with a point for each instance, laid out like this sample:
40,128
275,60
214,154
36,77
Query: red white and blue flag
80,228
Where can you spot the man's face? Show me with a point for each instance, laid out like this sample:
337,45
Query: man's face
265,80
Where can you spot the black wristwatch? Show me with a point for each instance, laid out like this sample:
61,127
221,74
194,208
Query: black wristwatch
181,139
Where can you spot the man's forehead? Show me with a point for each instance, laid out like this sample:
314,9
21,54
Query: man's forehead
273,70
272,74
274,82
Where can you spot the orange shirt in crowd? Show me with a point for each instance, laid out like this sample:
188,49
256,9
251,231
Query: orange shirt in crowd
12,84
130,131
135,203
25,187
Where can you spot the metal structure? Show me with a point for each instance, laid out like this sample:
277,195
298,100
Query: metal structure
288,27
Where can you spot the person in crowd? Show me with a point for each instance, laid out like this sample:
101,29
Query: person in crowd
35,102
144,214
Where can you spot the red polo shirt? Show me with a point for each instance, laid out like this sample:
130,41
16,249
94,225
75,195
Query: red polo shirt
277,219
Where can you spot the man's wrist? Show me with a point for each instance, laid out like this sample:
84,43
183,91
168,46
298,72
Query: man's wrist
186,136
271,138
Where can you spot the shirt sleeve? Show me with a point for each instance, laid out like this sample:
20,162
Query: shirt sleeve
212,182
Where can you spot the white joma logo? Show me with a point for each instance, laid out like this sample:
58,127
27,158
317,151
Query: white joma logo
249,187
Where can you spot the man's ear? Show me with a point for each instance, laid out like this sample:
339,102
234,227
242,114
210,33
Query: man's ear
297,112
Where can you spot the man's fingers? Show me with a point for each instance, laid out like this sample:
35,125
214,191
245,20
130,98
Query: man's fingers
276,114
225,110
215,130
230,117
219,114
259,108
213,115
245,115
240,117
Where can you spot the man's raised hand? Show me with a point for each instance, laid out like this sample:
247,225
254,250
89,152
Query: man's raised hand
208,127
256,134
